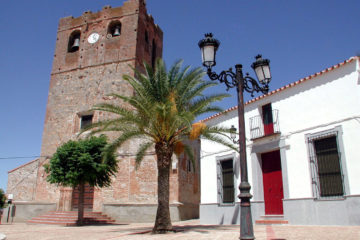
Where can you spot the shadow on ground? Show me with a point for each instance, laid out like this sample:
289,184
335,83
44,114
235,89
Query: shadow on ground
204,229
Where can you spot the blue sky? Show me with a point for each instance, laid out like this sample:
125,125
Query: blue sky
299,37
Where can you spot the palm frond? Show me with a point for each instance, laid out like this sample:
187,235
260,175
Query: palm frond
215,138
205,101
198,90
106,124
190,80
141,153
119,110
218,130
110,129
141,106
210,109
125,136
173,73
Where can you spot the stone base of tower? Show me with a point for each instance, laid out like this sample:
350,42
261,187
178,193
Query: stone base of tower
128,213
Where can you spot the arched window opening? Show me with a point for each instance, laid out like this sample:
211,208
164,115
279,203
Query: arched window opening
114,28
74,41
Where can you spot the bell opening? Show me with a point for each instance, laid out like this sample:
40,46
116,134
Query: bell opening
114,28
74,41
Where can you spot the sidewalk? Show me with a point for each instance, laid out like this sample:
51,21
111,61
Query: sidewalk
187,230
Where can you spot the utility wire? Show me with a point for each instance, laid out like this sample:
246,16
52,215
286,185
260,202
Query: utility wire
119,155
2,158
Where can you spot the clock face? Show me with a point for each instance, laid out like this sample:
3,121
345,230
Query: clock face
93,38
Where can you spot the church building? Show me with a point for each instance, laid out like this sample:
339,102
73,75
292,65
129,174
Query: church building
92,54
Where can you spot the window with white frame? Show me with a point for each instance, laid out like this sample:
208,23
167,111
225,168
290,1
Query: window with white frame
326,164
225,177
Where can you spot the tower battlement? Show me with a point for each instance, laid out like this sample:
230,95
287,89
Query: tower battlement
110,35
107,12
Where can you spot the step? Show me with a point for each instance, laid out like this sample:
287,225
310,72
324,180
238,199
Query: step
52,223
75,213
69,223
73,216
271,220
70,218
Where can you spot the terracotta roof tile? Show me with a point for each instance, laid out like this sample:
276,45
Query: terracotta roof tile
285,87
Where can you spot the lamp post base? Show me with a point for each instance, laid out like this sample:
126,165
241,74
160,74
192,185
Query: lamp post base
246,225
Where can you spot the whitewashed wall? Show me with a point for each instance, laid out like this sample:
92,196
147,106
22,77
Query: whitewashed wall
323,102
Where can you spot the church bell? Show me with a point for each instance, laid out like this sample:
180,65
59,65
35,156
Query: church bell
75,45
116,31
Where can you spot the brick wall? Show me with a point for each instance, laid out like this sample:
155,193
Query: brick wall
22,181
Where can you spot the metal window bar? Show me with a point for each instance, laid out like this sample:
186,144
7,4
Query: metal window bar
225,176
325,164
228,181
220,182
257,125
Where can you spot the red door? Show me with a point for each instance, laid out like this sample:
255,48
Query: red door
272,181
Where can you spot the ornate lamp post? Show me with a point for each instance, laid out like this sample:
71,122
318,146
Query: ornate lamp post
208,47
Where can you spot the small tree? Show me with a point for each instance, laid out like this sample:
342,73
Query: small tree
2,198
79,162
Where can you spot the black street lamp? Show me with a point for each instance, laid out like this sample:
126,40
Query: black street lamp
208,47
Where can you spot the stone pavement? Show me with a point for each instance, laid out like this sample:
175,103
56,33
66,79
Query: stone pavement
186,230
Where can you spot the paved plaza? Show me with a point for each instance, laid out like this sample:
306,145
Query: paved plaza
186,230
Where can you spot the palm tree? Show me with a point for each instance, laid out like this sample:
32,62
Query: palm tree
161,113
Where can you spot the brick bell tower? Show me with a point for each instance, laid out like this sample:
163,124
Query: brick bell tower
92,54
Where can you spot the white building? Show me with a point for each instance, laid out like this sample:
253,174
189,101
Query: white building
303,153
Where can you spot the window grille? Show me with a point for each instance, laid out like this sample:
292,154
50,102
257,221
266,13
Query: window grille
226,181
257,128
325,162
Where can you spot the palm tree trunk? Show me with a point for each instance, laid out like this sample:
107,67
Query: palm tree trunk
163,221
80,221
